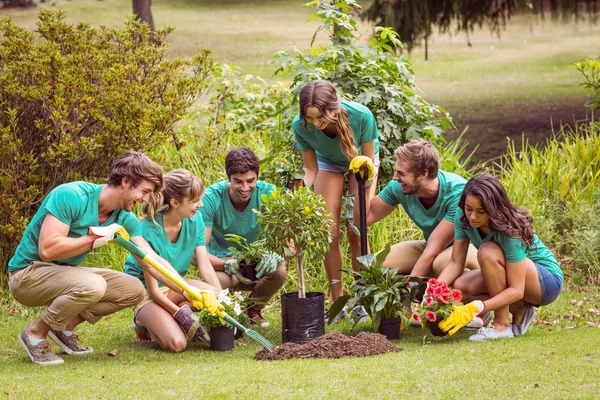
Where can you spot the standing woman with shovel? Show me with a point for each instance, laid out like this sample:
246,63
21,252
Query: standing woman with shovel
175,230
330,133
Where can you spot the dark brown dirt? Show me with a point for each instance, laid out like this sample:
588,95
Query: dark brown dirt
331,345
536,121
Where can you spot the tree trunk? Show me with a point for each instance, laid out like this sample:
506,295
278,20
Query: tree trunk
300,270
17,3
142,11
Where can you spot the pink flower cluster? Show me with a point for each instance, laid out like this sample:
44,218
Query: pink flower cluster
437,300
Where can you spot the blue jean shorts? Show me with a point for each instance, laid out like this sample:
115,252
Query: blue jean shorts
550,284
325,166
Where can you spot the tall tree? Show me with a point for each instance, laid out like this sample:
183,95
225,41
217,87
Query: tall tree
414,20
143,12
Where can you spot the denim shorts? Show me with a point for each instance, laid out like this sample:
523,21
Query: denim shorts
325,166
550,284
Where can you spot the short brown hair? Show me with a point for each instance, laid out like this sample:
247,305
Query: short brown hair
241,160
420,155
136,167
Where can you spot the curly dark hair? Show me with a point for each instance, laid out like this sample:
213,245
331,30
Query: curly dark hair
240,160
504,215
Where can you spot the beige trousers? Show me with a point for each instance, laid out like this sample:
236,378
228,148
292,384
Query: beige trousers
404,256
263,289
68,291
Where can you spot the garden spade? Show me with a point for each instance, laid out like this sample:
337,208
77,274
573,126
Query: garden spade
134,249
361,179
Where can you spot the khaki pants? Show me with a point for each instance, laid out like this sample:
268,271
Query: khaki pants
263,289
404,256
68,291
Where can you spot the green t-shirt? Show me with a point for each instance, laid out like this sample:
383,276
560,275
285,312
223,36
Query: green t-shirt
427,219
220,215
75,204
178,254
361,121
514,249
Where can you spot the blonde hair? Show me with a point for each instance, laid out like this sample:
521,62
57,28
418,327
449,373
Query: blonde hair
323,96
420,155
179,184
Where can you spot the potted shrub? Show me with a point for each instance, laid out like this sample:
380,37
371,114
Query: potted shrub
381,291
222,334
247,254
300,218
437,305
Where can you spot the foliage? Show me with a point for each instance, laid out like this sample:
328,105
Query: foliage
415,20
244,251
369,74
590,69
300,217
380,290
437,302
586,239
73,98
233,304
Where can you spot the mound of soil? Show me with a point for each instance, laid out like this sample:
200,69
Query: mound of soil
331,345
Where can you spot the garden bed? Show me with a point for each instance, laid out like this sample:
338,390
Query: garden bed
331,345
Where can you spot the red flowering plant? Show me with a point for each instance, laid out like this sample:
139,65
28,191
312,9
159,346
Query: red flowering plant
437,305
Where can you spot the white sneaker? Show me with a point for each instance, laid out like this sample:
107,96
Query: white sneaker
341,315
478,321
358,315
490,333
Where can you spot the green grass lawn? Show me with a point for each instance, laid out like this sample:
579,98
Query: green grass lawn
558,358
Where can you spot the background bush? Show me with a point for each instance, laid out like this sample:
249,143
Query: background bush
75,97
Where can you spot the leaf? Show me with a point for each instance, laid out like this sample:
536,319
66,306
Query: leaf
337,307
113,353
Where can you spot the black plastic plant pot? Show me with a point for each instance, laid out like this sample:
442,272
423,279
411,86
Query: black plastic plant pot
390,328
302,319
221,338
248,270
435,329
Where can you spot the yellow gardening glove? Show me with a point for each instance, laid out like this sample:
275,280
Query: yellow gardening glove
356,167
106,234
209,301
461,316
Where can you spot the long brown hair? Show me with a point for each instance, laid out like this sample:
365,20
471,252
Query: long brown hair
180,184
504,216
323,96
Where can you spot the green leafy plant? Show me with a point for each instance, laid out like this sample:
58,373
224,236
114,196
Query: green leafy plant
296,222
368,73
246,252
380,290
74,97
233,304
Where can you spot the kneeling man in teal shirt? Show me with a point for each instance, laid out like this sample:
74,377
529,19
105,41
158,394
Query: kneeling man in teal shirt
228,210
430,198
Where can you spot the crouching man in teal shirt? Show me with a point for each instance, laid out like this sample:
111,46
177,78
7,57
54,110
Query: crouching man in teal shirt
228,210
74,219
430,198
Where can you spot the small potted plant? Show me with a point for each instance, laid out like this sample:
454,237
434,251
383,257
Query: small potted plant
247,254
298,222
222,334
437,305
381,291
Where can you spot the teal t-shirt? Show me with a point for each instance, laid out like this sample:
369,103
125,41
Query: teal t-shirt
75,204
361,121
178,254
220,215
427,219
514,249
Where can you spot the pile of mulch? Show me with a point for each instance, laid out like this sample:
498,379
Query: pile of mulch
331,345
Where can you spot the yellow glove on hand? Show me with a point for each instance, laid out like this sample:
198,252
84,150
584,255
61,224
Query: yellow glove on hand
209,301
356,167
461,316
106,234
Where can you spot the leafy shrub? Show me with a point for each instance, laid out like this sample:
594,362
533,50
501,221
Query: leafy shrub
370,74
73,98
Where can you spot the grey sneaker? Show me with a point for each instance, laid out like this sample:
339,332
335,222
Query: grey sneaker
358,315
41,353
478,321
527,320
341,315
490,333
68,343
